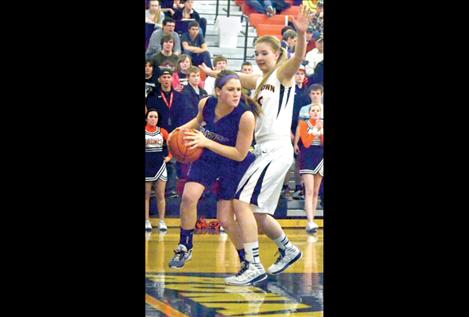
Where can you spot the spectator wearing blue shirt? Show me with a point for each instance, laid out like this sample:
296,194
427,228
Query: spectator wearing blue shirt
194,45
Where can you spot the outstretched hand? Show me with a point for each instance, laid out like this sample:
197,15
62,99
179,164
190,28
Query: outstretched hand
207,70
302,21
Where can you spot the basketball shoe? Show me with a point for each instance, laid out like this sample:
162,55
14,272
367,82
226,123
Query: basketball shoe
181,256
287,257
250,274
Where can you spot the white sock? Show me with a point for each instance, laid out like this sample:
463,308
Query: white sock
252,252
283,242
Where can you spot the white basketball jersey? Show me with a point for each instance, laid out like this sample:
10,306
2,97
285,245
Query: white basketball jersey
277,109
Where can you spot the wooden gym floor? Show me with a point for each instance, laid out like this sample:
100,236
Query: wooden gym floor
198,289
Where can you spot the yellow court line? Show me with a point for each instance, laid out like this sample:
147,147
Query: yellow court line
162,307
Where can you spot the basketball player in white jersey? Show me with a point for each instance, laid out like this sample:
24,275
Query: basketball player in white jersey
259,189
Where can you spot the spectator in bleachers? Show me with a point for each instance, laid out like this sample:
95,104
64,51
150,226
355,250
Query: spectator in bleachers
170,7
166,57
164,99
262,6
194,45
268,7
192,94
181,75
188,13
314,57
154,15
311,38
246,68
220,63
287,27
151,78
154,45
289,38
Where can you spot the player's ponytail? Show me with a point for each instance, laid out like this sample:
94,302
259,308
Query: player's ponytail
253,104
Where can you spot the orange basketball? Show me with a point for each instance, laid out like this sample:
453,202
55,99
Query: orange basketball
177,147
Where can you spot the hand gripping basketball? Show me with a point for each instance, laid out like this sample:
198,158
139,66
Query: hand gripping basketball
177,147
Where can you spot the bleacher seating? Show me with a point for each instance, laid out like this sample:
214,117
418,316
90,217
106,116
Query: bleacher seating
259,18
270,29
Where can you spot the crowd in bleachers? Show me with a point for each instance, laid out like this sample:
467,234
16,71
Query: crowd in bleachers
175,45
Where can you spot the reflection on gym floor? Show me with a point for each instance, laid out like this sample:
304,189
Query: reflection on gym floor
199,289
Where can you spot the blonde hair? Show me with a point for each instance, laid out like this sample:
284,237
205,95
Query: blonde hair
276,47
157,18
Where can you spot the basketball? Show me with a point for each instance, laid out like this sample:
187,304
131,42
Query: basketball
177,147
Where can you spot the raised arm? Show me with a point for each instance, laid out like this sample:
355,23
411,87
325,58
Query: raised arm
288,69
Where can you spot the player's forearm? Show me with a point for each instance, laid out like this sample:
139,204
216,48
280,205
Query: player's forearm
230,152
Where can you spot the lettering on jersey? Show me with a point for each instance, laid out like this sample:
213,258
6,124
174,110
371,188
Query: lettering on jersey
213,136
154,141
268,87
259,100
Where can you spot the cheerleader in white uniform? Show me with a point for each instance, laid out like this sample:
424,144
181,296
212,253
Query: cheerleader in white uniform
155,167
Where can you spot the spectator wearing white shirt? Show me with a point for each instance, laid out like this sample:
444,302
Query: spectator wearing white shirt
315,56
154,15
220,63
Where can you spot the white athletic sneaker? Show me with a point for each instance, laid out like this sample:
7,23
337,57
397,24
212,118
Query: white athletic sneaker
162,226
287,257
148,225
250,274
312,227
